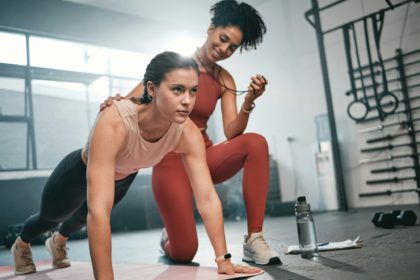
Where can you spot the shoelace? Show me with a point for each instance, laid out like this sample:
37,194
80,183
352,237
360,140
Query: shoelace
63,250
261,242
27,257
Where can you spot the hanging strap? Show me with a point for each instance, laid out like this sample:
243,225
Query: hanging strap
377,26
347,44
372,72
359,66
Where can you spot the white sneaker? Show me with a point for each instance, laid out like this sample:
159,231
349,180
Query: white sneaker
163,240
58,253
22,260
258,251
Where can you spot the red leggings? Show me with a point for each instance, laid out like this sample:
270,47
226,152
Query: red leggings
174,196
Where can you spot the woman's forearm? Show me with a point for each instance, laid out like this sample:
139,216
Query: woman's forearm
238,125
212,216
99,232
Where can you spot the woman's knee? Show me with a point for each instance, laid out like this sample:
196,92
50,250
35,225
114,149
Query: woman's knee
184,252
255,141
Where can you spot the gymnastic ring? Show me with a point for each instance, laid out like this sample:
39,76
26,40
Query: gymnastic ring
394,102
363,114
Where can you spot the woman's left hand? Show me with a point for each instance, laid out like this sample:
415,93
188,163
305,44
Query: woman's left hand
256,88
227,267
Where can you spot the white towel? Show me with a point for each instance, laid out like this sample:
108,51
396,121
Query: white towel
329,246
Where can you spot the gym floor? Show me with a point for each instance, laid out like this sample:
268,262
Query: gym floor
386,253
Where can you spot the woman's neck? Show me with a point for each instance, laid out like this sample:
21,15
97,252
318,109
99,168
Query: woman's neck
151,124
202,61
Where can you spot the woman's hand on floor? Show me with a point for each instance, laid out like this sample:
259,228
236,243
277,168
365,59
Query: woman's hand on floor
227,267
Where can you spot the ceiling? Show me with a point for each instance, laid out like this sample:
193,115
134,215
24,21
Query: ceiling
179,12
178,25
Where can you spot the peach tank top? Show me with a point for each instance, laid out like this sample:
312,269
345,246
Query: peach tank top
139,153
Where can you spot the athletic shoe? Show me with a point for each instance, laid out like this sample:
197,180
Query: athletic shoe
258,251
58,253
163,239
23,260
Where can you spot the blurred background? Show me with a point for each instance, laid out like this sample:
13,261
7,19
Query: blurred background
60,59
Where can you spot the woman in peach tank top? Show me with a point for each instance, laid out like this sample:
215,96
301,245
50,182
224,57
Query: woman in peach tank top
127,136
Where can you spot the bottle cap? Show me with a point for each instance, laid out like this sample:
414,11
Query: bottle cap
301,199
301,205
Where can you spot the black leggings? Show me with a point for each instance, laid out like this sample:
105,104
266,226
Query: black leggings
64,199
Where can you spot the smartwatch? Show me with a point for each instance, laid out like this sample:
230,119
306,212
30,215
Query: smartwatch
220,259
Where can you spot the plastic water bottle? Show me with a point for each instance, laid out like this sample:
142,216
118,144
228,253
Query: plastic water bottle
306,229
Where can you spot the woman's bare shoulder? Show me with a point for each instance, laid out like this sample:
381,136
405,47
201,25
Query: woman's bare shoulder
110,118
191,137
223,73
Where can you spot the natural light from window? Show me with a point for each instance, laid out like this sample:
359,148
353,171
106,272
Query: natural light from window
12,48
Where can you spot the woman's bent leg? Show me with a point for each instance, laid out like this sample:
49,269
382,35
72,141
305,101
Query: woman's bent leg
63,194
250,152
174,198
78,220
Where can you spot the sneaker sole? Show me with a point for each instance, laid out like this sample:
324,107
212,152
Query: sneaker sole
47,244
273,260
26,272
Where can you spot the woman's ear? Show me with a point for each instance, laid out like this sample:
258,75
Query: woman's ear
151,88
210,29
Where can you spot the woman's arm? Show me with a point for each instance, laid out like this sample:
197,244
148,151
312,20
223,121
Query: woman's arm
193,152
235,123
107,139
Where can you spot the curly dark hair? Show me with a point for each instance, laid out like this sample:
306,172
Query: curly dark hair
231,13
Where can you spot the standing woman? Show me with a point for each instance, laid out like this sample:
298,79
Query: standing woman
127,136
233,26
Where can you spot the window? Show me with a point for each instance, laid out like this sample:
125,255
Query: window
12,48
127,64
63,111
13,145
12,96
60,117
65,55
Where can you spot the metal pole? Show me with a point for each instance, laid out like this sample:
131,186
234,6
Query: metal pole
86,59
339,180
28,90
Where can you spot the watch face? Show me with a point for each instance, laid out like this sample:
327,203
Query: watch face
227,256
